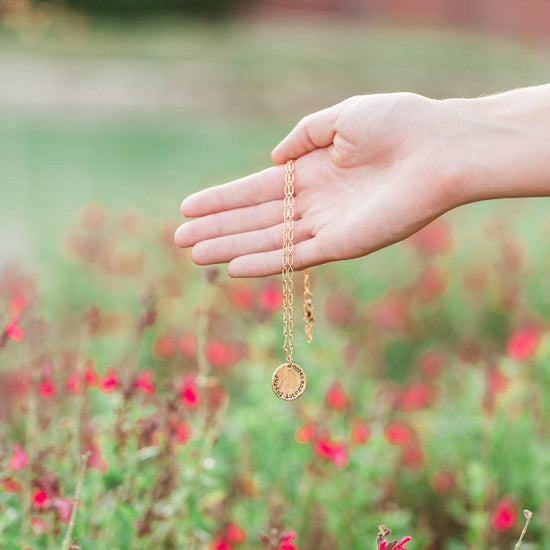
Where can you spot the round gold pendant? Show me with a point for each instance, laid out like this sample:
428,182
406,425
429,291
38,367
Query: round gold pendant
289,381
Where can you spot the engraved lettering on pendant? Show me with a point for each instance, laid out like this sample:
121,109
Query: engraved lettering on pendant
288,383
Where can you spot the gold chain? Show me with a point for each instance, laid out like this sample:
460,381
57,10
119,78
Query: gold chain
288,272
288,263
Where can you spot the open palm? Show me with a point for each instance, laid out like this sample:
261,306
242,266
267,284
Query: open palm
370,171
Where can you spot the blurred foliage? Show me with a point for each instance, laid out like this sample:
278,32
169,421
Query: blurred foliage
133,9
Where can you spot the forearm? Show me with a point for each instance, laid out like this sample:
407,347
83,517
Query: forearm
500,144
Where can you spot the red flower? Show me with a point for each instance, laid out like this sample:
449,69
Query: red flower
271,298
90,375
14,331
336,397
434,238
18,459
144,382
504,515
242,298
360,431
110,381
415,396
399,546
286,541
39,498
398,433
222,355
46,388
219,543
305,433
164,347
234,534
523,344
327,449
189,392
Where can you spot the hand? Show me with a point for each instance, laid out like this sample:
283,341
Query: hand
370,171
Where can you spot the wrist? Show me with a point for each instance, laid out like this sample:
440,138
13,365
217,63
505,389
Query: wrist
498,145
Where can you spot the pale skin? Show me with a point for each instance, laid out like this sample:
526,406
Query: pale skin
371,171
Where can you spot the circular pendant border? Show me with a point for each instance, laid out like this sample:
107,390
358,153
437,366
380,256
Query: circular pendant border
297,393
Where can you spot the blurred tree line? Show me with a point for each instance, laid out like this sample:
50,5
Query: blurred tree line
128,8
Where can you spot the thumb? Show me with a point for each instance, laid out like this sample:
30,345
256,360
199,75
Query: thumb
312,132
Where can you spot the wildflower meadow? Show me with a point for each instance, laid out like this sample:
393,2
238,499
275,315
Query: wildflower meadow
136,408
426,407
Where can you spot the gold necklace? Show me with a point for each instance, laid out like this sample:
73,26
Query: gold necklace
289,379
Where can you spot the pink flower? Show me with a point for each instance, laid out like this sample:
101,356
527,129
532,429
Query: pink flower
144,382
189,392
523,344
63,506
18,458
504,515
399,546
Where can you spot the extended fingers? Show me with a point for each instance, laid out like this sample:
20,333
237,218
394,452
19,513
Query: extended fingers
240,220
257,188
228,247
306,254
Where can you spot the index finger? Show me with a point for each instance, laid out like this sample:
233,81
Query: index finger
257,188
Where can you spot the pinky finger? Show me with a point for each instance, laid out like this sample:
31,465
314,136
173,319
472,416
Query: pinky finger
306,254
